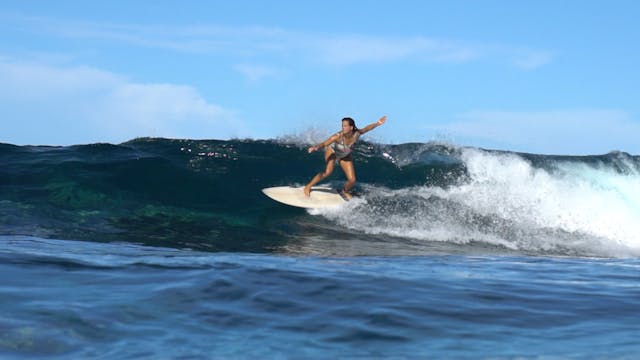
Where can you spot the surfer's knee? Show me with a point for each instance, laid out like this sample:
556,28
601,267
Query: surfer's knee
324,174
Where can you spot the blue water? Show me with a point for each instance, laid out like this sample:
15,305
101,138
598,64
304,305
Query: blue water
141,250
65,299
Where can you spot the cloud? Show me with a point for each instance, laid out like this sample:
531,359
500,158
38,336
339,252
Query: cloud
352,49
247,42
56,105
528,59
579,131
254,73
165,110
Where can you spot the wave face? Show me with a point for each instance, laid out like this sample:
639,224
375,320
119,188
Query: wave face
413,198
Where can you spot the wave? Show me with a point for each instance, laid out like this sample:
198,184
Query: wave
566,207
414,198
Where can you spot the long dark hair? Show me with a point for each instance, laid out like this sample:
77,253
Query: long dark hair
352,123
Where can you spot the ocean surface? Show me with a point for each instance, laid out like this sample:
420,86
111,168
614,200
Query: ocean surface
167,249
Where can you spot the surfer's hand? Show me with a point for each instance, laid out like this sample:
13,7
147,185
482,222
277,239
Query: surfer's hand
312,149
382,120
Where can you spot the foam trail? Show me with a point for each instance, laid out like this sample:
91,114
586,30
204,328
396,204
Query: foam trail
568,208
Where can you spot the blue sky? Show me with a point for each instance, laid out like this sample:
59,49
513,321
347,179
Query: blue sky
554,77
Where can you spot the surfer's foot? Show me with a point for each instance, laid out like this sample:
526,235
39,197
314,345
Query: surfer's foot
307,191
346,194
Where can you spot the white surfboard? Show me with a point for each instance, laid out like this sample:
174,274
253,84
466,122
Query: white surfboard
321,196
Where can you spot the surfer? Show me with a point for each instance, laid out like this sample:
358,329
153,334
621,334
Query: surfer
338,149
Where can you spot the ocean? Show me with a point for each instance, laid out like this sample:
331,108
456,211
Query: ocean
167,249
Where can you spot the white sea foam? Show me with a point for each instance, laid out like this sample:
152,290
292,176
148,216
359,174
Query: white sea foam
568,207
304,138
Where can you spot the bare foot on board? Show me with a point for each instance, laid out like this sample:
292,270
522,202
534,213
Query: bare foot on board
346,195
307,191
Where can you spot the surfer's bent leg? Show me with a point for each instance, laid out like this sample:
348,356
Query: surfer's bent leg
329,158
347,166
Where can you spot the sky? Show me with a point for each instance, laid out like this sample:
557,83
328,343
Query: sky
549,77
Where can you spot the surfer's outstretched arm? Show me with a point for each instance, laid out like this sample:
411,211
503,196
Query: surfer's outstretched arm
329,159
370,127
329,141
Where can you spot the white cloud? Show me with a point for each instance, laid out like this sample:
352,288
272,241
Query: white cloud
163,110
580,131
531,59
37,81
352,49
254,73
44,104
283,45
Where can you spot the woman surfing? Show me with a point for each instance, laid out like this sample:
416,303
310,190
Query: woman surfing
338,149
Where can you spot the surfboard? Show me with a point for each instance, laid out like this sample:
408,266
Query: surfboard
321,196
